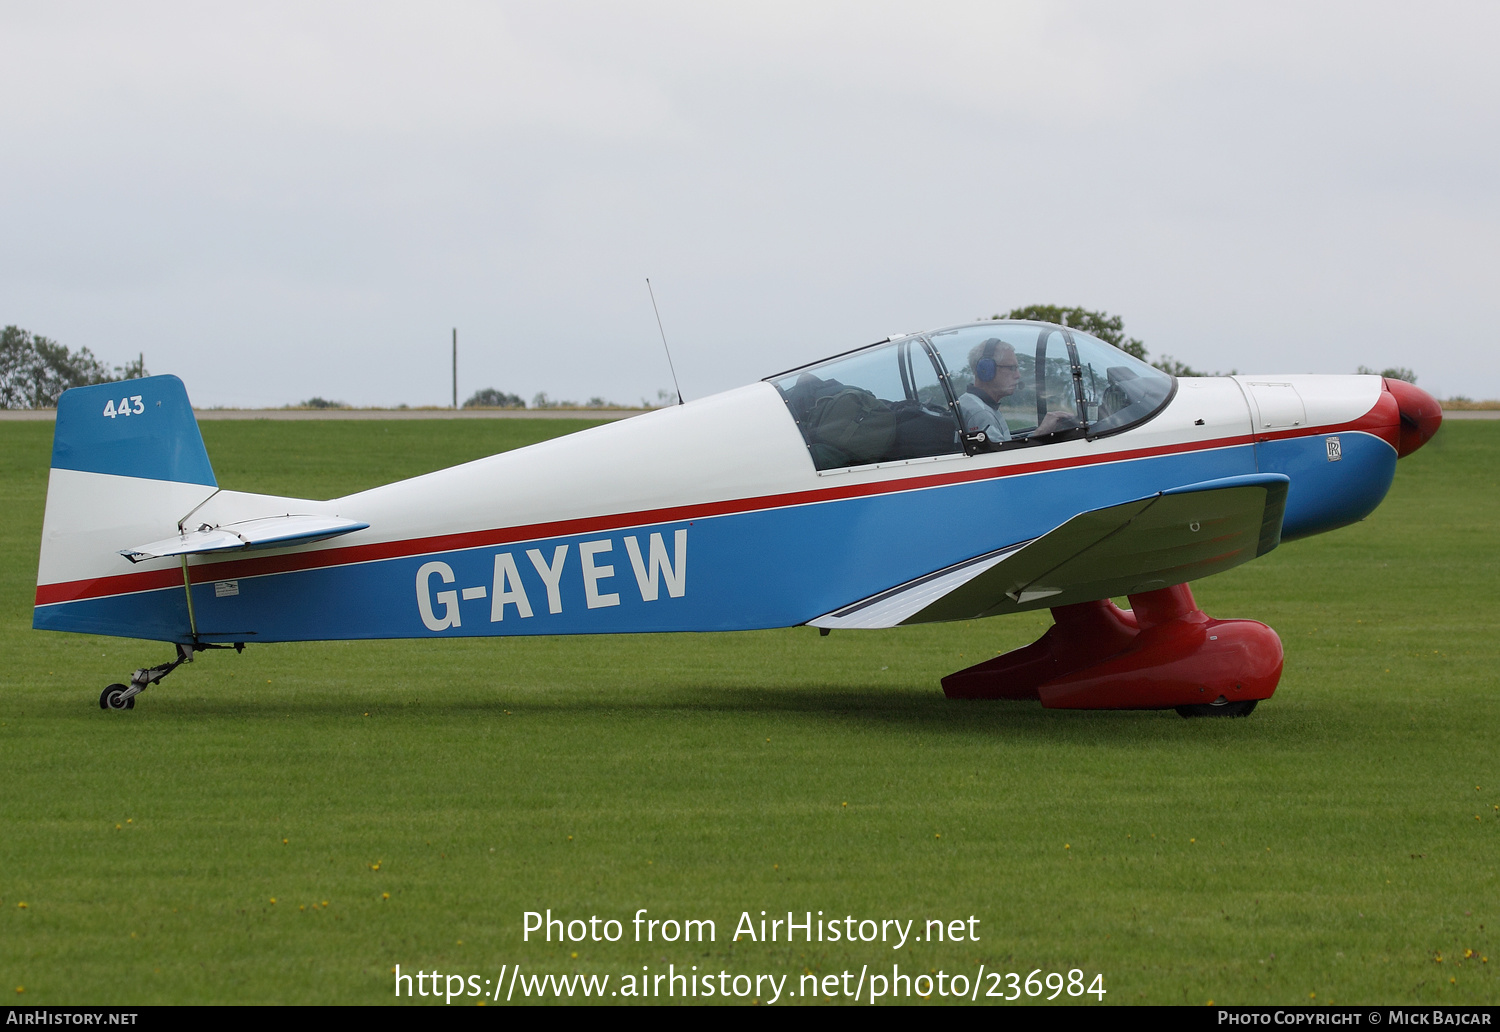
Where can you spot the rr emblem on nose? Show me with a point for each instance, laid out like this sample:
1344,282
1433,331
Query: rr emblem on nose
1335,452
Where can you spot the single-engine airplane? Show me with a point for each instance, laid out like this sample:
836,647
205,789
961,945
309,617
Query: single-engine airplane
966,472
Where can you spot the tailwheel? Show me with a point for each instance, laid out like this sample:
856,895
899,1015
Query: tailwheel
1221,708
115,697
119,696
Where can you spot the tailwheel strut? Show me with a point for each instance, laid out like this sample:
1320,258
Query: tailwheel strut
122,696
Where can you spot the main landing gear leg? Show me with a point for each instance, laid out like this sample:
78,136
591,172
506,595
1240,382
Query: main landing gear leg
122,697
1162,653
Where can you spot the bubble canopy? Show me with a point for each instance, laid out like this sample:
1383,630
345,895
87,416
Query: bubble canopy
967,390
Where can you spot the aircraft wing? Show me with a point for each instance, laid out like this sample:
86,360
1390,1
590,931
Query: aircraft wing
1167,538
267,532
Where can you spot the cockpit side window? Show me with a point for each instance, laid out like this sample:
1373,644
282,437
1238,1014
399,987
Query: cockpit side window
993,371
1023,384
881,404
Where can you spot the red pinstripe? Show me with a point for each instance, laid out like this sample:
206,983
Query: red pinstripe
1383,421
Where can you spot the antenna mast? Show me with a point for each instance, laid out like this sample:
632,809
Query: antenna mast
664,339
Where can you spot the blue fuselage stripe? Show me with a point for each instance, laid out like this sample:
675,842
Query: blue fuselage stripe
768,568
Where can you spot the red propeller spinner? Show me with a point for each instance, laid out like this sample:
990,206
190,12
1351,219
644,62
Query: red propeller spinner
1421,415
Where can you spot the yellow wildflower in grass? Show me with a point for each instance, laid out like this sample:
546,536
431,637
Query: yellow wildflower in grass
385,895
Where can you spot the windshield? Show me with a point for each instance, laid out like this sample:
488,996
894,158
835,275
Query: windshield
1119,389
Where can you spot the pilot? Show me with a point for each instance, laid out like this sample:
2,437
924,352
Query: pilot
996,377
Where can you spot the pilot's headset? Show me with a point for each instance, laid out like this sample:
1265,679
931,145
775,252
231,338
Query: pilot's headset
984,369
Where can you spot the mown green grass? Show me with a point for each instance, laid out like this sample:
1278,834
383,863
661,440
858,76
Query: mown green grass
1327,845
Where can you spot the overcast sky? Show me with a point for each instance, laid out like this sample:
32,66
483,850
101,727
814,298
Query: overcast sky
276,201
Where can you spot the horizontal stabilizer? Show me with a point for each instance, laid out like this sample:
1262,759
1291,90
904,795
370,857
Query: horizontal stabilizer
1164,539
268,532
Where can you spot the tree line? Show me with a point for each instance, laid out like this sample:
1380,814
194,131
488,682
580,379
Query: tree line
35,370
489,397
1111,328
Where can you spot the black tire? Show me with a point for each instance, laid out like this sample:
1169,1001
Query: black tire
111,698
1223,709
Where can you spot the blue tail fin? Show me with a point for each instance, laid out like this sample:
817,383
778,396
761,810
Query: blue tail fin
135,428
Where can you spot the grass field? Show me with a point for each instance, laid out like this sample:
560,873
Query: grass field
289,824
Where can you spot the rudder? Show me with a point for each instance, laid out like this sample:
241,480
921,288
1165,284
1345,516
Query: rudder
128,462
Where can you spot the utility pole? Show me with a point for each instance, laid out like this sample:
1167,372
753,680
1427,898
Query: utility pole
455,367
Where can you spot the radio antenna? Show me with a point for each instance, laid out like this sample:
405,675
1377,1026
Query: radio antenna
664,339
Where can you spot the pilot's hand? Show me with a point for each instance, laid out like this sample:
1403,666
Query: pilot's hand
1055,422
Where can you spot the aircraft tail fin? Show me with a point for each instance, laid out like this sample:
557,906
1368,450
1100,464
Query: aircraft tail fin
134,428
128,462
